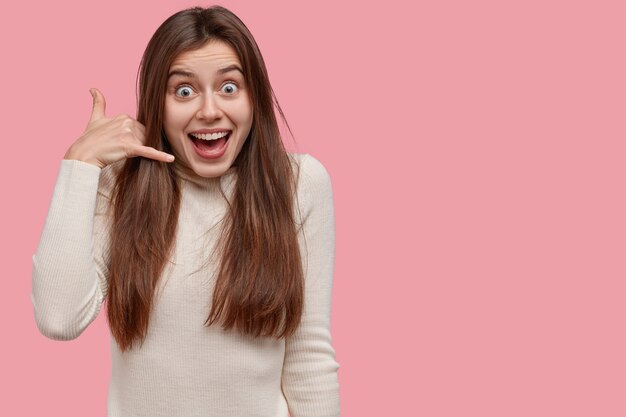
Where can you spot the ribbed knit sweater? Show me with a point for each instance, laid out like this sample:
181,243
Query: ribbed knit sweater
184,368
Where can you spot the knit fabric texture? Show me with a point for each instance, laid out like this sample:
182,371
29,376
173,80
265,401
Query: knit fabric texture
185,368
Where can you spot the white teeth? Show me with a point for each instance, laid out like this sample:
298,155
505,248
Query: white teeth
209,136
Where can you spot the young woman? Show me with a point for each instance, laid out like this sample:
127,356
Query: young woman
212,246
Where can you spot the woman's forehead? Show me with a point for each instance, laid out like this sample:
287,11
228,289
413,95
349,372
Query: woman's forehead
211,53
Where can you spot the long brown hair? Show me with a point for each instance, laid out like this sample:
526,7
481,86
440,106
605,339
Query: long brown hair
259,289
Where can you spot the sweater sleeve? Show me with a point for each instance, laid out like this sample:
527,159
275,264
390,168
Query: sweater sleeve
309,378
70,266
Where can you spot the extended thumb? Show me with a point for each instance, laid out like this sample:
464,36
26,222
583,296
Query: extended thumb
98,104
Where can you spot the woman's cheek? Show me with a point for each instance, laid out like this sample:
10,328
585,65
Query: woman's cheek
177,114
240,112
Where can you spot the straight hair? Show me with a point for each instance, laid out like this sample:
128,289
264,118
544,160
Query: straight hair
259,288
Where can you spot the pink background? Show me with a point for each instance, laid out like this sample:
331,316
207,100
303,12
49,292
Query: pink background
477,157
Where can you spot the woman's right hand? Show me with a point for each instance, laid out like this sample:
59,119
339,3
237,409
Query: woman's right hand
107,140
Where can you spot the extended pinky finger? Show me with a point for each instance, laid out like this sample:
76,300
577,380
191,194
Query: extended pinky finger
151,153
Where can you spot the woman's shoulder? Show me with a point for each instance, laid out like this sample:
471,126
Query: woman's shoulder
313,181
309,170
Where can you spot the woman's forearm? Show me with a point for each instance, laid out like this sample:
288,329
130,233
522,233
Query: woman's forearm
68,284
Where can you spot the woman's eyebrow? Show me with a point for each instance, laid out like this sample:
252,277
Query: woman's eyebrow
229,68
181,73
187,74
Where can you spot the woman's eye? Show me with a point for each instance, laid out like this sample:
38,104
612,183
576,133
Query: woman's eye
230,88
184,91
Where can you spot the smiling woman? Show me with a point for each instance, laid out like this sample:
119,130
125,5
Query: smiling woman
211,245
208,112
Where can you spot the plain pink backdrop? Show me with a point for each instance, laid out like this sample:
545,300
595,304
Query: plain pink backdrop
476,151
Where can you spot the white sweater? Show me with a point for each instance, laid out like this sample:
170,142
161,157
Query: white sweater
185,368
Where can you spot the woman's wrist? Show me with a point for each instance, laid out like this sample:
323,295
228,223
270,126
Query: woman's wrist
73,154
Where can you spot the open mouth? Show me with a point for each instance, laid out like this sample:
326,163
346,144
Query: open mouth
210,142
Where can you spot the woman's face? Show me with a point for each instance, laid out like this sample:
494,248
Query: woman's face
208,111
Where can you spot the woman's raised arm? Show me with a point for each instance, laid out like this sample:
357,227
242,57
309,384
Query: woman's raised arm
70,265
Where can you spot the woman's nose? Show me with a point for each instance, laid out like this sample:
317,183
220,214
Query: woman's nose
209,108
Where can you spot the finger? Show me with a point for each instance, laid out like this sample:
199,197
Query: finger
99,105
151,153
